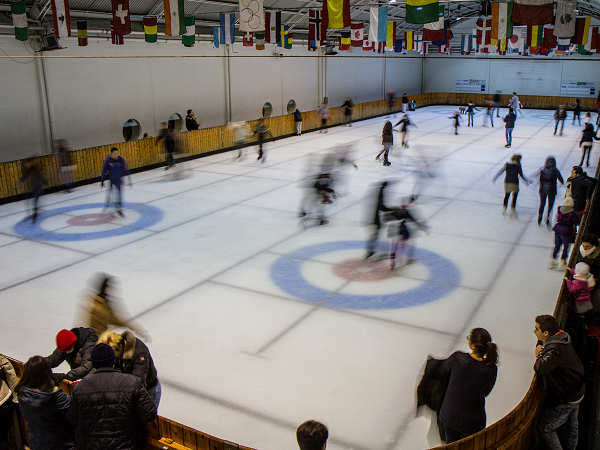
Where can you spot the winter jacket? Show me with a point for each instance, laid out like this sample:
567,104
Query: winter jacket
512,173
509,120
471,108
137,361
566,222
580,290
109,410
46,417
80,358
297,116
348,105
114,169
33,177
433,385
100,314
404,99
592,260
581,188
170,144
548,177
8,381
588,134
514,102
560,370
387,137
190,123
470,381
496,98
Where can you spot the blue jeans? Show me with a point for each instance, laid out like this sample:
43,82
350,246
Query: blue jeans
563,418
156,394
509,136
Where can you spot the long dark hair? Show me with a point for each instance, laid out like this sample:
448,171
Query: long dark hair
387,128
481,340
36,375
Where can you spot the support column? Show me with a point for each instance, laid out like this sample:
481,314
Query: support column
227,73
48,126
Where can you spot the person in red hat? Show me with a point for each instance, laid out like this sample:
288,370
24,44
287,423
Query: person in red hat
75,346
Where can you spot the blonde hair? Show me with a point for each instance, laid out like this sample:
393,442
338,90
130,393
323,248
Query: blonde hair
114,340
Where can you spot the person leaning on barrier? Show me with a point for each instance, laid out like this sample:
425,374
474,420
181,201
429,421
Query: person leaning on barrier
75,346
562,377
191,123
8,398
312,435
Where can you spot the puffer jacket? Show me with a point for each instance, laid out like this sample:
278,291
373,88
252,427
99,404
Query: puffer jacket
592,260
109,410
80,359
137,361
580,290
581,188
46,416
8,381
566,221
588,134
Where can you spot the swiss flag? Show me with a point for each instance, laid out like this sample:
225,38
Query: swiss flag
357,34
121,20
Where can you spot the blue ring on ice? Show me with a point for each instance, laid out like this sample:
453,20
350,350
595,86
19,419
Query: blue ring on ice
149,215
286,272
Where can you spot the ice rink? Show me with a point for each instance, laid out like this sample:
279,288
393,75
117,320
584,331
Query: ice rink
258,323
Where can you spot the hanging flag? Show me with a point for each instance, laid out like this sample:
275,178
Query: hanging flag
484,27
260,40
418,42
434,31
582,30
532,12
596,39
502,46
82,37
120,17
563,44
189,37
474,44
398,46
464,43
421,11
288,40
535,34
273,27
356,40
380,47
115,38
336,13
216,35
61,17
409,40
501,21
548,41
227,28
247,39
344,41
377,24
516,43
252,16
390,35
367,46
314,29
425,49
285,42
444,43
19,17
564,24
150,28
174,14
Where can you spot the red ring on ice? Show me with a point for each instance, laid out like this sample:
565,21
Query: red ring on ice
363,270
88,220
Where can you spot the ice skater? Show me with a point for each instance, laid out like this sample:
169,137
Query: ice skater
404,103
387,140
166,134
320,194
470,113
509,125
376,222
559,117
34,181
547,177
114,168
261,132
512,171
298,121
489,114
577,112
324,112
404,123
564,232
348,105
588,135
391,102
455,121
398,220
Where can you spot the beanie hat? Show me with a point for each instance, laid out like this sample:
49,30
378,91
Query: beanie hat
568,201
103,356
582,269
65,340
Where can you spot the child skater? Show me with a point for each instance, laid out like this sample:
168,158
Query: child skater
564,232
404,123
387,140
456,121
512,171
581,286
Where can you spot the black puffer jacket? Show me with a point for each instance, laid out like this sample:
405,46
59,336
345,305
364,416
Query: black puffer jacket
561,371
549,175
79,359
588,134
581,188
110,409
137,361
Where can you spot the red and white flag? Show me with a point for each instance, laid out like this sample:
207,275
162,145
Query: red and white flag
247,39
121,20
61,17
358,30
116,39
367,45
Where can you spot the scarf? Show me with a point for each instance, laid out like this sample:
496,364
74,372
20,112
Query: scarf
586,253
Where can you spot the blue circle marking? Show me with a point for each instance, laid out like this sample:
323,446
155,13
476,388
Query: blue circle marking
443,278
149,215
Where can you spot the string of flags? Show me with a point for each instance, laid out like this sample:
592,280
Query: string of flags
522,27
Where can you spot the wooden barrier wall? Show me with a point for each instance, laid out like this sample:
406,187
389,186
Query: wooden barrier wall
146,153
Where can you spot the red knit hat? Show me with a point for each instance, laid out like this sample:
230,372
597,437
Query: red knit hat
65,340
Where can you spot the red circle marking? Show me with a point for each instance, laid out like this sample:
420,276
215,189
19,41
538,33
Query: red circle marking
86,220
363,270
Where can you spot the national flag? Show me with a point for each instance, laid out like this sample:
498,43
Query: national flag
356,39
377,24
344,41
115,38
368,46
260,40
484,28
548,41
425,49
61,16
582,30
533,12
564,24
474,44
418,42
247,39
502,46
19,17
336,13
563,44
516,43
501,21
409,39
434,31
286,39
596,39
273,27
380,47
390,35
398,46
120,17
421,11
150,28
466,42
189,37
82,36
315,38
174,17
535,34
252,16
227,27
216,35
445,43
587,45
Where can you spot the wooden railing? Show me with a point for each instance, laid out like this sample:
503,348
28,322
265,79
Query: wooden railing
145,153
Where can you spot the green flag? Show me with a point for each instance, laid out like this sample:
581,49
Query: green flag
421,11
19,20
188,38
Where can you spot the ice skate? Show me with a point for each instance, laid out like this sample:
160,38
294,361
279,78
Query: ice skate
563,265
552,265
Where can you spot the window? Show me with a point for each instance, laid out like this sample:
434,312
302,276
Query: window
131,130
175,122
291,106
267,110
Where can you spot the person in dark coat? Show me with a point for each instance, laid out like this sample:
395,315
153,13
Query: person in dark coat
489,114
404,102
564,232
298,121
110,408
559,117
470,113
348,105
509,125
312,435
44,407
74,346
512,171
132,356
34,181
547,177
404,123
376,222
589,253
387,140
577,112
191,123
8,399
561,373
261,132
168,135
588,135
580,187
497,104
455,121
401,233
114,168
471,379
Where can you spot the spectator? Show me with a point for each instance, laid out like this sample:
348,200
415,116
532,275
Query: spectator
109,408
391,102
559,117
168,135
75,346
589,253
44,407
509,124
547,177
564,232
577,112
348,105
312,435
512,171
587,140
580,187
581,286
324,111
298,121
191,123
404,103
8,397
561,374
115,168
132,356
471,379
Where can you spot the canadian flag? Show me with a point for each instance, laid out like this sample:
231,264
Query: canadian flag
356,37
121,20
367,45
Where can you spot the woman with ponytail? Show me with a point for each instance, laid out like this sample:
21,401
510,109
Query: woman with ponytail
471,378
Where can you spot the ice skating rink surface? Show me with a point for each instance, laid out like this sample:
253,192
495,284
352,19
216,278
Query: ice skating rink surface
258,323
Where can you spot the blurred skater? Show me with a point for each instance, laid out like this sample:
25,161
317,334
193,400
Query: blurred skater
348,105
114,168
241,133
387,140
404,103
324,112
455,121
261,132
320,194
168,135
298,121
400,233
376,222
404,123
489,114
65,163
559,117
470,113
512,171
34,181
497,104
547,177
577,112
390,102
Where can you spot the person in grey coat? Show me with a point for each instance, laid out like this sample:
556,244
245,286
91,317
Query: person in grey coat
74,346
